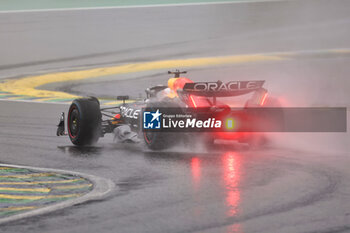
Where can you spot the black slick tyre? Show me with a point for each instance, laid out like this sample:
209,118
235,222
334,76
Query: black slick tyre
156,140
84,121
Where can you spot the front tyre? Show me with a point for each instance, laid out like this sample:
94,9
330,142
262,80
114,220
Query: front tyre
84,121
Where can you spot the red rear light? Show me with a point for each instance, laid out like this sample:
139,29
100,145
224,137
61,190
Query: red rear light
231,135
263,99
193,102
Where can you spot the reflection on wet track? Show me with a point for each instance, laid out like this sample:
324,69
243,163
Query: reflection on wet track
229,185
231,167
196,172
229,182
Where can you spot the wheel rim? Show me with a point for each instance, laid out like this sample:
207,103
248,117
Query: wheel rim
148,137
73,122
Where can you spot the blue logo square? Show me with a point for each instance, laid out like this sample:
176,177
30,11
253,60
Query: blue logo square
151,120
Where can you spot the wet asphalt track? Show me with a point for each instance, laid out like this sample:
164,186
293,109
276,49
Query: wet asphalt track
298,184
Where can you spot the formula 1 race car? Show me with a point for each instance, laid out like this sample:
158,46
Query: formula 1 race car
87,121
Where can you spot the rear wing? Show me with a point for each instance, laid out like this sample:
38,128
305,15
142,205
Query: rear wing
220,89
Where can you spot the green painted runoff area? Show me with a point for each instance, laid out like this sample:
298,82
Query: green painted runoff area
24,189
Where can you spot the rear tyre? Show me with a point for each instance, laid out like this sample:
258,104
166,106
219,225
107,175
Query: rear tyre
84,121
160,140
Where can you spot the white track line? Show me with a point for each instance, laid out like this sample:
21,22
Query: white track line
137,6
102,188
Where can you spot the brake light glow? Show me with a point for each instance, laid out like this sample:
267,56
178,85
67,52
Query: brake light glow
193,102
263,99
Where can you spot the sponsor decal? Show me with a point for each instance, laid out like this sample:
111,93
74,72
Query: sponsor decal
262,119
220,86
151,120
130,112
192,123
173,120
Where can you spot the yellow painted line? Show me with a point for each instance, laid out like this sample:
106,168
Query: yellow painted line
43,99
17,208
342,51
112,103
40,182
72,186
62,196
42,190
26,197
15,98
116,102
27,86
27,175
6,168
